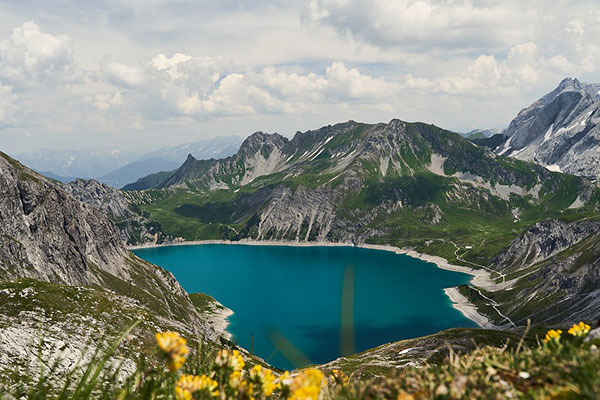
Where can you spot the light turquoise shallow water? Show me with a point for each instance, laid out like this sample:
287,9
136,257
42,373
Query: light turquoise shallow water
297,292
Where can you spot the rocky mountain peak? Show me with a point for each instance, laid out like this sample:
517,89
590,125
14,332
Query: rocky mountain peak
560,131
572,84
260,140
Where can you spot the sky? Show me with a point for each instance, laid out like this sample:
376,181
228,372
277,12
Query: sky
143,74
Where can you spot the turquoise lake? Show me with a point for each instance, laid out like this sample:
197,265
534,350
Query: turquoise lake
296,293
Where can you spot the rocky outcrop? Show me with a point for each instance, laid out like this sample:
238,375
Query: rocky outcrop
134,226
303,215
560,131
554,270
48,235
260,154
542,241
105,198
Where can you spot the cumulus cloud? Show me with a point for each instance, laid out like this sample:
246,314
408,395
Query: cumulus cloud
423,24
148,69
30,57
183,85
121,74
512,42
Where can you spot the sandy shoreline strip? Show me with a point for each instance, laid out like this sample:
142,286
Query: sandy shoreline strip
481,278
219,320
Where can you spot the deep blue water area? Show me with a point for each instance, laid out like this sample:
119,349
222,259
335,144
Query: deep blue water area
287,297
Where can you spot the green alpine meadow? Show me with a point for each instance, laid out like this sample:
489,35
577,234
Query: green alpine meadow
300,200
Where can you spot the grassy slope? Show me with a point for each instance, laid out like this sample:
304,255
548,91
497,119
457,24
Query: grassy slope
82,318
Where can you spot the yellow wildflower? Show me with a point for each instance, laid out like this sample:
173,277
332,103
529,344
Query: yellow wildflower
285,380
208,384
264,378
553,335
192,383
580,329
247,388
174,347
307,385
339,378
405,396
232,359
235,379
182,394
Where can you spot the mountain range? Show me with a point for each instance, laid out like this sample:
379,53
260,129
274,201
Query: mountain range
414,185
509,213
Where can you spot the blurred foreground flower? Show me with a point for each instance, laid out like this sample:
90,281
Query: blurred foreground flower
188,384
174,347
307,385
339,378
580,329
553,336
264,379
231,359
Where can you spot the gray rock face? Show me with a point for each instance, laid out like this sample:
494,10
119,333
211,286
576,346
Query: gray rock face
542,241
260,154
105,198
47,234
135,228
560,131
302,216
556,273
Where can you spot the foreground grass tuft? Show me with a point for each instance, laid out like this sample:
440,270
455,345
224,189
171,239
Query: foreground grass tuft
563,366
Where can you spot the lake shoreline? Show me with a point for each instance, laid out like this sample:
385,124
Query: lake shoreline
480,278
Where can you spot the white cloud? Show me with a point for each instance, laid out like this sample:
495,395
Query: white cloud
6,102
161,62
184,85
150,72
349,84
575,27
121,74
423,24
29,57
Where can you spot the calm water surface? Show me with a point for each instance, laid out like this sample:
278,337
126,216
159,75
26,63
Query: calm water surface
296,293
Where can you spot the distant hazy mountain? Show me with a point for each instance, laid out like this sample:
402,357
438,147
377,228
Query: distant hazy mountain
88,163
218,147
117,167
560,130
133,171
215,148
481,133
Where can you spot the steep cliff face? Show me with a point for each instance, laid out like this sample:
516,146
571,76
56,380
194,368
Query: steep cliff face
48,235
134,226
560,131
